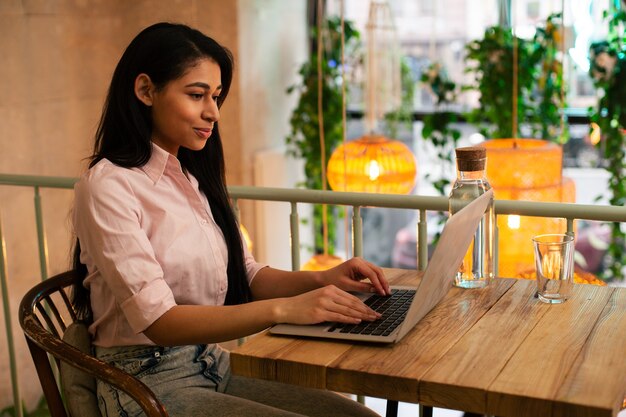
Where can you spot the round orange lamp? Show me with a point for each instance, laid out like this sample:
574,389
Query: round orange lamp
525,169
373,164
321,262
246,237
580,277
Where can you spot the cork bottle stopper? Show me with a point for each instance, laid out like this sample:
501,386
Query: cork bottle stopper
471,158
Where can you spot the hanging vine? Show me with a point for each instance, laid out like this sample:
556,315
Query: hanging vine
608,69
549,95
539,84
492,64
438,124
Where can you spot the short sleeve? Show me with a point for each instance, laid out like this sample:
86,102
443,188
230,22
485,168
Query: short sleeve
252,266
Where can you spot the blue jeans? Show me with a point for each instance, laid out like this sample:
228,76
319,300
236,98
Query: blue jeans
195,381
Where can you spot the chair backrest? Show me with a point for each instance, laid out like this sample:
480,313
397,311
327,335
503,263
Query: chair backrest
45,313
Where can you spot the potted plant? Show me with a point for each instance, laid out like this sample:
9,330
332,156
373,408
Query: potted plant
498,58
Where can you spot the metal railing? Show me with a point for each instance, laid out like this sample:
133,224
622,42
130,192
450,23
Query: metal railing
295,197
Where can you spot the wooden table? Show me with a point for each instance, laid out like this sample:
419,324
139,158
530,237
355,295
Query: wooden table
497,351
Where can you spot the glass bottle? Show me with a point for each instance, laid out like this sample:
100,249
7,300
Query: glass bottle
478,266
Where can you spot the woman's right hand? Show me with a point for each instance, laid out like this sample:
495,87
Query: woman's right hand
328,303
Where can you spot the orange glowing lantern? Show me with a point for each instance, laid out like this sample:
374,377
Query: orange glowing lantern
375,163
321,262
246,237
525,169
372,164
580,277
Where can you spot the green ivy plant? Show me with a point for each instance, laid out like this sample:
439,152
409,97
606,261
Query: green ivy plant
304,138
404,114
608,69
549,92
491,63
437,125
539,82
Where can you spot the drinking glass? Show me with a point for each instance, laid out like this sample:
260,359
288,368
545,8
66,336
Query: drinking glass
554,263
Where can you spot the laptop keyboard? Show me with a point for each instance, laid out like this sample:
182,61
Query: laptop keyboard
393,309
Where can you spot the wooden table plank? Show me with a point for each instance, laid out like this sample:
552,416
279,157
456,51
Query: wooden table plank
596,385
528,384
286,359
368,369
256,358
306,362
461,378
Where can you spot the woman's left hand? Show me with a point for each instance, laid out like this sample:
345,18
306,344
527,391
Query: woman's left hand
349,276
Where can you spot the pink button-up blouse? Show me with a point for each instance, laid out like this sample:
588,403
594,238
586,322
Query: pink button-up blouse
149,242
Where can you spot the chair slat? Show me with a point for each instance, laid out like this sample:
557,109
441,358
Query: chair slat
53,307
47,380
68,305
44,313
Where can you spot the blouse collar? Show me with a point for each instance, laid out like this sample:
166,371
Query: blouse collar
158,162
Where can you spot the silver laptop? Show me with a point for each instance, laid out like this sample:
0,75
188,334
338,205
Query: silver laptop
435,284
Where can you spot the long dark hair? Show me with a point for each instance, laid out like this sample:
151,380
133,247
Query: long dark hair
164,51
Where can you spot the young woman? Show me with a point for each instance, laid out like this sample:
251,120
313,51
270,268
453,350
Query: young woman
166,274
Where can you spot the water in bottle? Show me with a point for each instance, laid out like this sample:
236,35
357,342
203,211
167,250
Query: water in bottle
478,266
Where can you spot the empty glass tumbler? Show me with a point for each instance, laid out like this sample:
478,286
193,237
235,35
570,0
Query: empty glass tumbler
554,263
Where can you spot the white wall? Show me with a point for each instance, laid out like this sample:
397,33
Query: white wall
272,47
272,243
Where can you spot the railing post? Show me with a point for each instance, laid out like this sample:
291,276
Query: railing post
422,241
570,226
8,326
357,231
295,237
236,211
41,236
496,251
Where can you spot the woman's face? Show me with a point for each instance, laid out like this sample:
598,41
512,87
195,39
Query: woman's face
185,110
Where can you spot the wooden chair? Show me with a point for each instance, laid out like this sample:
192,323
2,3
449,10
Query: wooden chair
48,301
